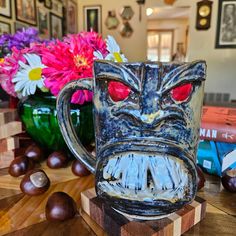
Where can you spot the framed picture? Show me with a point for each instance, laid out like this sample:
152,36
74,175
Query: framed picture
48,4
20,26
5,28
93,18
226,26
5,8
26,11
72,19
43,23
57,7
56,26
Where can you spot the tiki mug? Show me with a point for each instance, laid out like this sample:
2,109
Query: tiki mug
147,118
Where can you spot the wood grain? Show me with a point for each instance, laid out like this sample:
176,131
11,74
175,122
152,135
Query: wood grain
8,144
216,195
24,215
30,210
73,227
115,224
6,158
56,176
8,115
24,139
10,129
214,224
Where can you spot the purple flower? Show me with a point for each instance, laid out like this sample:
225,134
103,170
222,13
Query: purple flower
4,38
21,39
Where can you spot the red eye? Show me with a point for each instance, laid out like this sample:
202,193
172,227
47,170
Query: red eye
118,91
182,92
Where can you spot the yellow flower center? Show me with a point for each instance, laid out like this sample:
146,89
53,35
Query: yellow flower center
117,56
35,74
80,61
1,60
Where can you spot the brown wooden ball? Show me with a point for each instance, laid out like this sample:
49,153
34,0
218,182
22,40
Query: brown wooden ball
35,182
60,207
57,160
79,169
34,153
20,165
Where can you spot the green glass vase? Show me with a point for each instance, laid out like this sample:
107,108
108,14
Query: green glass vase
39,116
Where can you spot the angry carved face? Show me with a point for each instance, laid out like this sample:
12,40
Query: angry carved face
148,117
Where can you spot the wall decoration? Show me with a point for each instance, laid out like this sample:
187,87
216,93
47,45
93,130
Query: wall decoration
204,11
5,27
48,4
72,17
57,7
55,26
26,11
5,8
169,2
126,30
43,23
111,21
140,3
20,26
93,18
226,26
127,13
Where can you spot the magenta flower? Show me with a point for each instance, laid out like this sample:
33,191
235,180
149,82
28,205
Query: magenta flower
71,59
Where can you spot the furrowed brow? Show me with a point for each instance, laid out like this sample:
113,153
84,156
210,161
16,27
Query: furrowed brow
186,73
113,71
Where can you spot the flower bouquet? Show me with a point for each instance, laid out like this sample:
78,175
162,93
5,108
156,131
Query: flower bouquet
35,71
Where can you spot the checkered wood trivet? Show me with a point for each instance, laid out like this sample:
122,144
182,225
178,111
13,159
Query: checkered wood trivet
115,224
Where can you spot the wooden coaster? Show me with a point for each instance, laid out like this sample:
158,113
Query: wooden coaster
7,157
8,144
10,129
24,140
8,115
115,224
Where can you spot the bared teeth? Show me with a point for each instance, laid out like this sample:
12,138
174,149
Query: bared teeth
155,174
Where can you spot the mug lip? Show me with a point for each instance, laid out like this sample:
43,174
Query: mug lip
146,62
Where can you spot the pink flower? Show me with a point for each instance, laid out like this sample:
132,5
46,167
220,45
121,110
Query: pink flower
95,41
8,69
69,60
10,66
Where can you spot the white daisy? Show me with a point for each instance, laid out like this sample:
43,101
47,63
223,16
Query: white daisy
114,51
29,76
98,55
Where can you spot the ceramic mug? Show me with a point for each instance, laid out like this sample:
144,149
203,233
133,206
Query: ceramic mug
146,119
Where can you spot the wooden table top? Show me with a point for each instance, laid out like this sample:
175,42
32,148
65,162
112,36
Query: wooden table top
24,215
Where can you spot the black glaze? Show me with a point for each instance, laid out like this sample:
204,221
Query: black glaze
146,126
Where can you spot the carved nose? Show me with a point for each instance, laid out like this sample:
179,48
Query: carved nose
152,119
150,106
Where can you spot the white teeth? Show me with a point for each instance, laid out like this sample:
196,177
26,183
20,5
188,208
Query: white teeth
129,177
168,176
155,168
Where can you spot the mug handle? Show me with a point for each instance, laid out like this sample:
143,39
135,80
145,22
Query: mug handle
66,125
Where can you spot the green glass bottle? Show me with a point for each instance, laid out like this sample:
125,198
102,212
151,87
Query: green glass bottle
39,116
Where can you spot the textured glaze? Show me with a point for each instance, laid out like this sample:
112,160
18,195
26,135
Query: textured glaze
146,144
